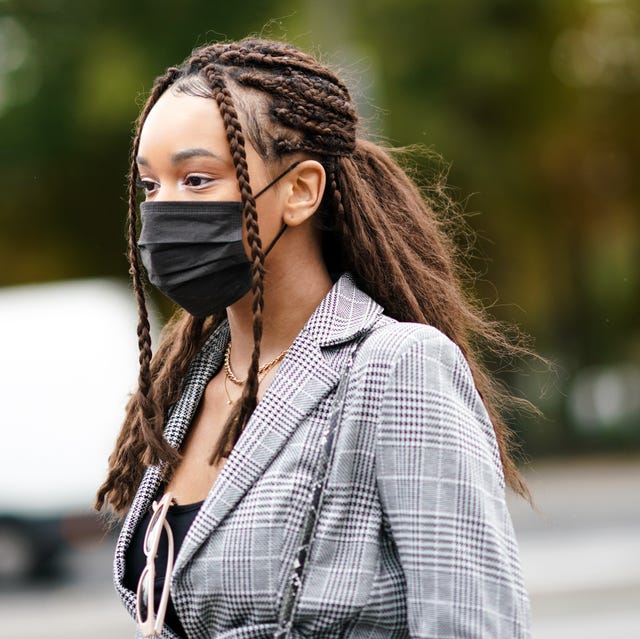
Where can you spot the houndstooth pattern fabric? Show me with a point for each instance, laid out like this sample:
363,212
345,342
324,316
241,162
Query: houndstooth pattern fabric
413,539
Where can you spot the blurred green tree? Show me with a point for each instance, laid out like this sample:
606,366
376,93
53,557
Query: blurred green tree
534,103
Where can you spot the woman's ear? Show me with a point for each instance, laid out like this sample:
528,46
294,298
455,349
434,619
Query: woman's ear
303,192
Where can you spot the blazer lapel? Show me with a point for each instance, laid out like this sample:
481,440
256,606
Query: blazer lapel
306,375
303,379
204,366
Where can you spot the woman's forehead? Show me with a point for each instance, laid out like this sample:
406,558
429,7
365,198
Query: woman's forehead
179,120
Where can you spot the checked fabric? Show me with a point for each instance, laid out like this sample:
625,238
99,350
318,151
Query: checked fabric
413,538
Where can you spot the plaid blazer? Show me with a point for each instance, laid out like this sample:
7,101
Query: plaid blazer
413,539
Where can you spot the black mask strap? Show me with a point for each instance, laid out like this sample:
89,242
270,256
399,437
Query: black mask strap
255,197
275,239
293,166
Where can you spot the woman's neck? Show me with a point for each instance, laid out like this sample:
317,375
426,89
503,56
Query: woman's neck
289,300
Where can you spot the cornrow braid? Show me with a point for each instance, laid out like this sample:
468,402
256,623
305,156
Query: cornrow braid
276,56
300,104
303,93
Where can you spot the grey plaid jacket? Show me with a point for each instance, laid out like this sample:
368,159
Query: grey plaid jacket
413,539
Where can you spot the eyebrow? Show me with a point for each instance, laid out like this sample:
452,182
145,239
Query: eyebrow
180,156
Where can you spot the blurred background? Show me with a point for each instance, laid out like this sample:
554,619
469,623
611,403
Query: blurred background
534,106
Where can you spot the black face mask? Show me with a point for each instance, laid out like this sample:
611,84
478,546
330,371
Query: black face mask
193,252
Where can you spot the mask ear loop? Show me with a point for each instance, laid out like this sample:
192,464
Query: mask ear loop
275,239
276,179
255,197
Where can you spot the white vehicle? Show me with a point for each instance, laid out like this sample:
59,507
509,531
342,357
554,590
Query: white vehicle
68,362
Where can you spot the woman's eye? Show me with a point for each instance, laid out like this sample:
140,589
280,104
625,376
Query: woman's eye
196,181
146,185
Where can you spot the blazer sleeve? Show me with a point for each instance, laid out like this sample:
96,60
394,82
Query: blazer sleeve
442,494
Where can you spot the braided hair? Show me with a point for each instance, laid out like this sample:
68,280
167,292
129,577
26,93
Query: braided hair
374,220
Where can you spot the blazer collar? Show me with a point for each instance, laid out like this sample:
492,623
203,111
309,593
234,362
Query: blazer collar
344,314
304,378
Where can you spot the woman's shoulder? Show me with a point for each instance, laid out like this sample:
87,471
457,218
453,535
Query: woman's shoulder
421,365
392,341
418,378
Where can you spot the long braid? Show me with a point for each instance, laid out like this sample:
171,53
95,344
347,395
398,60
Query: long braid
244,408
140,441
156,447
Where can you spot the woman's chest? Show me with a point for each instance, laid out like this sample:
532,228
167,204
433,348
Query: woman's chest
239,574
197,471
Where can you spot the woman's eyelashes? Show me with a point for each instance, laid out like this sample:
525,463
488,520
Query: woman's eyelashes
197,182
192,182
146,185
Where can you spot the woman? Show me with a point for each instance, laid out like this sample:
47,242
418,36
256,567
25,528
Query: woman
303,255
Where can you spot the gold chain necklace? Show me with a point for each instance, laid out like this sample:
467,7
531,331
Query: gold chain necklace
262,371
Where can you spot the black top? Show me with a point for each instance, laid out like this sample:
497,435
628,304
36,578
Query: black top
179,518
